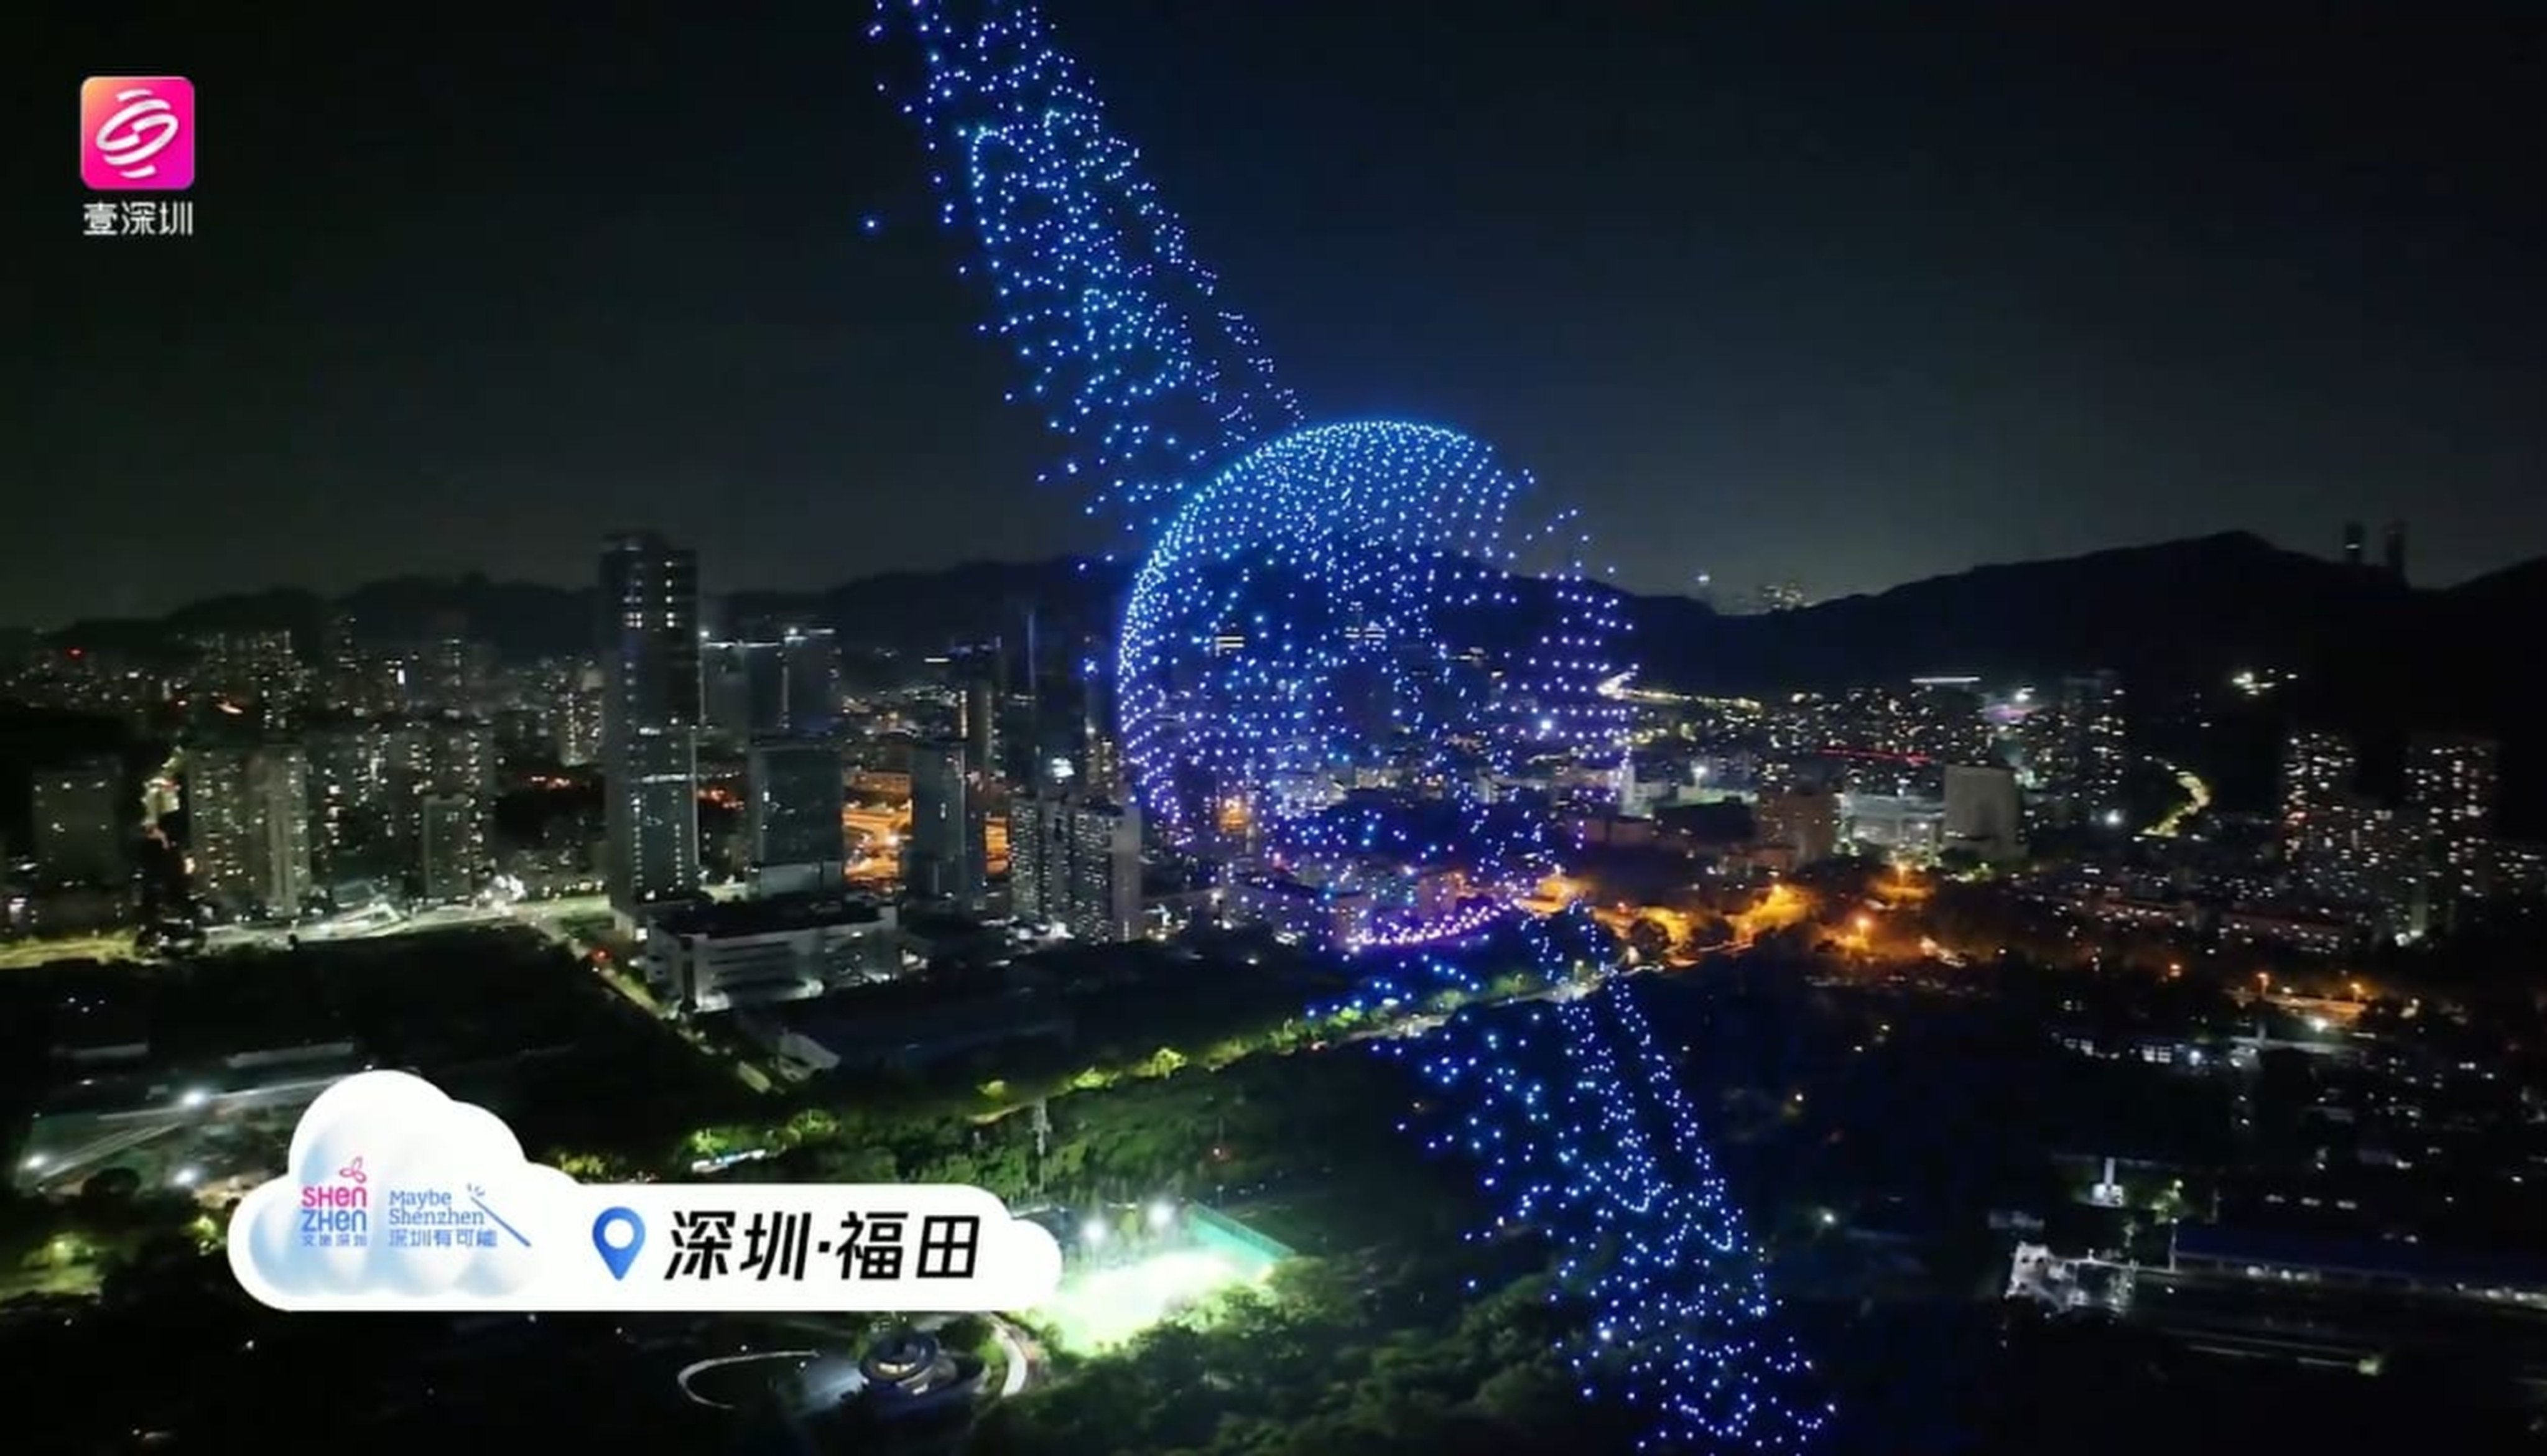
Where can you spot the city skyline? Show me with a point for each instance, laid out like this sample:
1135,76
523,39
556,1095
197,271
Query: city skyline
2031,373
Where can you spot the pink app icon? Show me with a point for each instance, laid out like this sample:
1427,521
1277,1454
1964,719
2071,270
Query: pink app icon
138,134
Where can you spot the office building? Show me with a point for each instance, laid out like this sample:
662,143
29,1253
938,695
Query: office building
650,701
706,956
2451,786
1076,863
799,842
1806,821
2392,550
946,858
81,813
247,812
2354,544
1983,812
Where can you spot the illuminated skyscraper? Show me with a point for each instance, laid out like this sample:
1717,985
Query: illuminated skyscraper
649,659
451,846
247,815
1076,863
2451,785
2317,773
2094,752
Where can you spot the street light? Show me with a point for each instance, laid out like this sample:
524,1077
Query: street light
1092,1232
1162,1214
195,1097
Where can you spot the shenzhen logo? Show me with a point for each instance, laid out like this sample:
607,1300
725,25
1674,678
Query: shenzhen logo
138,134
338,1213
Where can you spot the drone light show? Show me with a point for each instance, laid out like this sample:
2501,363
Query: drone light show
1331,634
1343,669
1128,352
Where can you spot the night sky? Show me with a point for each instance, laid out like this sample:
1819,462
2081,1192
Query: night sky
1846,293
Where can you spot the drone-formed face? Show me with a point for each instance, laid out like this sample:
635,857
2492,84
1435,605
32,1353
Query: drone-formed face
1328,650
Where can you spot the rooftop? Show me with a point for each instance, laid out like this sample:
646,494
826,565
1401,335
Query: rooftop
734,918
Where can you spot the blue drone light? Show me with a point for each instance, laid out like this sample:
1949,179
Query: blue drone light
1320,607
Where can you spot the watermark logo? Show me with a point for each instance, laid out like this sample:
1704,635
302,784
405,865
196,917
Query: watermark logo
138,134
396,1197
336,1213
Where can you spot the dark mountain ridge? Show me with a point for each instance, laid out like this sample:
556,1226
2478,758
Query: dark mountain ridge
2172,618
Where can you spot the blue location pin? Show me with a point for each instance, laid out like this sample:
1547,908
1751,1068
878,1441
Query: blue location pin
617,1236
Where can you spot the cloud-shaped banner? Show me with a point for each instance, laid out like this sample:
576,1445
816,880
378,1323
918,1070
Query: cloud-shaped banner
399,1198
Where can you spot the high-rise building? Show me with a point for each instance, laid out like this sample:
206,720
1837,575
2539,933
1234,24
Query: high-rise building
2451,786
577,714
461,757
2094,755
1076,862
455,805
248,813
651,701
946,857
1100,758
81,812
2354,541
813,698
1804,821
799,842
982,721
452,674
2317,773
452,846
1982,811
2392,548
746,689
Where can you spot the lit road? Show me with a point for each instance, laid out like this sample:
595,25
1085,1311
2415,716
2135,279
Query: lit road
544,915
2197,798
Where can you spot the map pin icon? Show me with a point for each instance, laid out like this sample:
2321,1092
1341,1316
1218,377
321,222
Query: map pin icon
617,1236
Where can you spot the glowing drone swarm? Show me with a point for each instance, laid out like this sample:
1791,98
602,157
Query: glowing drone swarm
1129,352
1582,1132
1339,602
